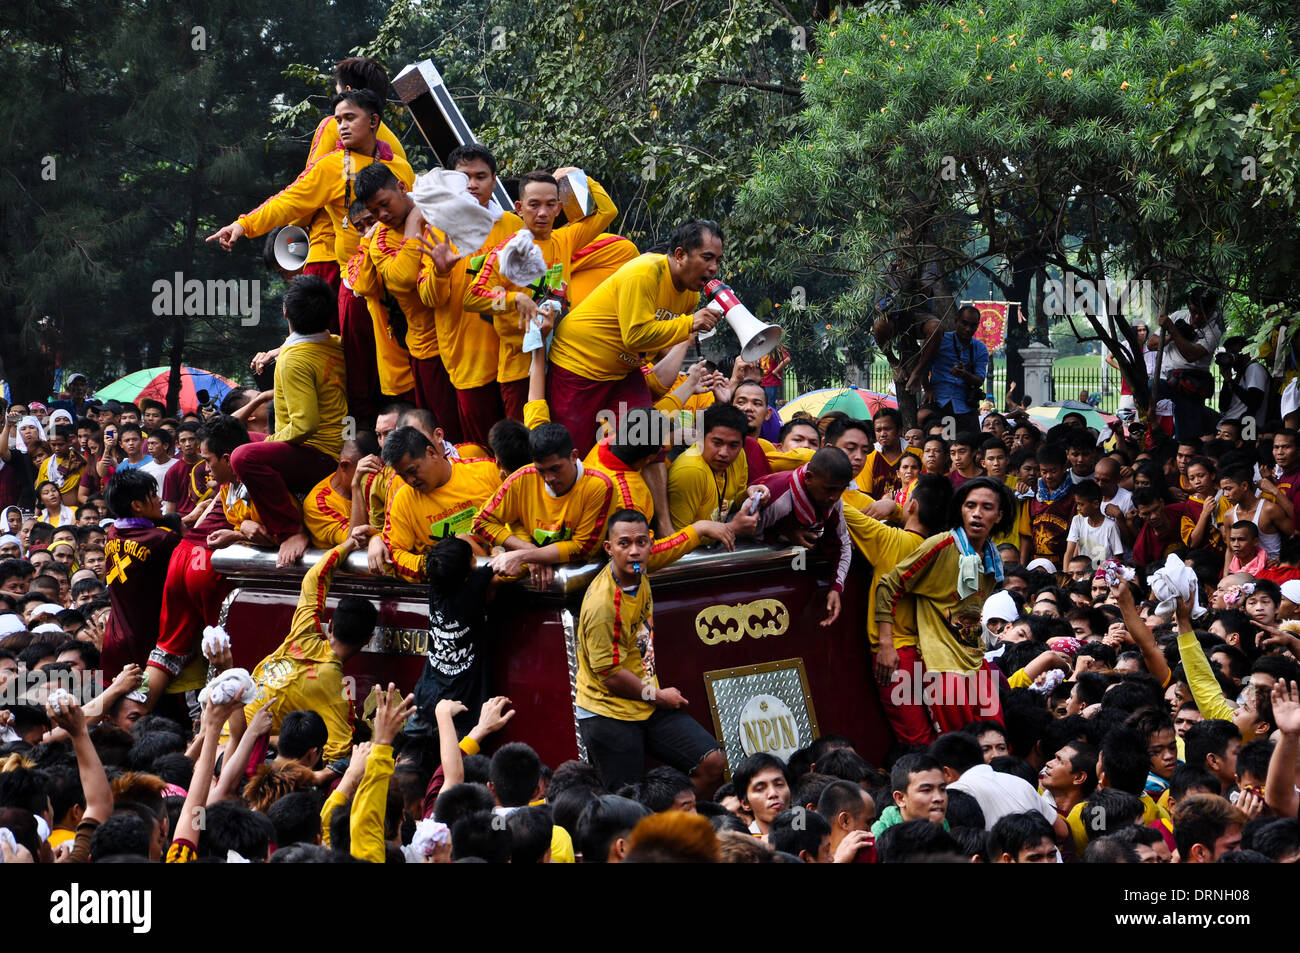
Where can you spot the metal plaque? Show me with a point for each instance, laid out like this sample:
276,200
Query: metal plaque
761,708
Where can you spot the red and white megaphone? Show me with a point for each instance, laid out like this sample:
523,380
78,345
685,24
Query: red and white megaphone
291,248
756,338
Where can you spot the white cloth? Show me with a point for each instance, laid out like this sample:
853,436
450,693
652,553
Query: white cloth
1255,377
442,196
229,685
1172,581
1000,605
28,421
215,641
424,843
10,623
1000,794
1291,396
520,260
1207,337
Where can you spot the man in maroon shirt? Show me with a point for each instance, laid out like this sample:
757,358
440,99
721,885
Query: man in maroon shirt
1161,531
180,494
136,553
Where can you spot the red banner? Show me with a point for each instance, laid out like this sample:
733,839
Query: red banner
993,323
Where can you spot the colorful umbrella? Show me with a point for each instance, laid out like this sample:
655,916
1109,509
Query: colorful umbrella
151,384
857,403
1049,415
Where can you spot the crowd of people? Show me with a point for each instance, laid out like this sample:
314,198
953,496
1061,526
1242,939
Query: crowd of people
1084,641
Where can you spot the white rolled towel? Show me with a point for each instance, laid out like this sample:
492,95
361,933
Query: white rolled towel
1173,581
442,196
521,261
229,685
215,641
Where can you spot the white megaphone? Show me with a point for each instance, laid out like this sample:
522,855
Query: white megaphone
756,338
291,247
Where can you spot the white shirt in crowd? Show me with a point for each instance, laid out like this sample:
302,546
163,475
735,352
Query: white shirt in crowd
1122,500
1208,337
157,470
1255,377
1098,543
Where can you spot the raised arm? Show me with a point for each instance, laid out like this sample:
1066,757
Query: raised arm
1280,788
1141,633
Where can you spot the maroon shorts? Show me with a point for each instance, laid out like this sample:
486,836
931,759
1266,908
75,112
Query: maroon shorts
905,711
192,596
433,391
514,394
358,333
273,471
577,402
480,408
328,271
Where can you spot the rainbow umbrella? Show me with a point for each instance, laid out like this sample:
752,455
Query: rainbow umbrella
151,384
1048,416
857,403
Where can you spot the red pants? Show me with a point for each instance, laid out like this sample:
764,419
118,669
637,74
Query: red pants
328,271
358,333
480,408
904,710
433,391
965,697
192,595
273,471
514,394
576,402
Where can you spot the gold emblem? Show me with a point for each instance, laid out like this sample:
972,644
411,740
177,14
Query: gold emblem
757,619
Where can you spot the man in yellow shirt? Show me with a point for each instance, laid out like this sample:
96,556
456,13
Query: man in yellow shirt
397,250
327,507
439,497
623,713
512,307
306,671
310,404
643,307
705,481
550,512
468,341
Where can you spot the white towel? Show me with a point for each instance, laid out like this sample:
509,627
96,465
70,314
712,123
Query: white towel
215,641
428,835
521,260
1173,581
443,199
229,685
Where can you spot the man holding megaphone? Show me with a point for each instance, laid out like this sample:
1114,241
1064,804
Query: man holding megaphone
646,305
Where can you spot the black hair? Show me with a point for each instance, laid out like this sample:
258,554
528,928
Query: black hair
530,834
789,425
933,495
751,766
1254,757
841,425
361,72
481,835
508,439
690,235
540,176
724,415
831,463
549,440
461,800
810,787
309,303
1016,832
798,829
446,566
372,179
967,438
640,432
603,821
222,434
1277,839
1109,809
901,774
659,788
232,826
627,516
126,832
296,818
471,152
1124,759
847,765
300,731
515,773
1207,737
362,98
1110,850
354,620
404,442
957,750
913,841
89,654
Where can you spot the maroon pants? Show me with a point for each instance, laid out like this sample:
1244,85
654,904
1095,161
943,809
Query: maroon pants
576,401
273,471
480,408
905,710
359,363
514,394
192,596
433,391
328,271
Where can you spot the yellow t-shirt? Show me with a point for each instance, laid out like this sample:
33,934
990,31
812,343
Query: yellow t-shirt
326,514
416,521
695,492
311,394
523,506
630,489
885,547
615,630
595,262
393,361
634,311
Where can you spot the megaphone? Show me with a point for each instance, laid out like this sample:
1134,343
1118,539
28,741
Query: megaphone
756,338
291,247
